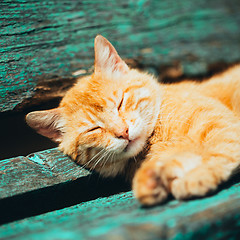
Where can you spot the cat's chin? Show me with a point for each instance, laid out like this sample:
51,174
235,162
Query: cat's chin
131,145
133,148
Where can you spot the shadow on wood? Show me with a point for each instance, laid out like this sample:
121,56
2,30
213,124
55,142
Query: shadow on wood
59,196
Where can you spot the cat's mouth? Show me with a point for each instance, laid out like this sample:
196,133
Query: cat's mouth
131,145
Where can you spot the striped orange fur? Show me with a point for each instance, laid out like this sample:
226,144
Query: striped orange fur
181,138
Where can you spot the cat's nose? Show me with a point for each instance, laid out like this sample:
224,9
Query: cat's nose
123,133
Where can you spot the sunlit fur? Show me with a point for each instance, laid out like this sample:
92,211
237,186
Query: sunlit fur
85,109
189,132
196,142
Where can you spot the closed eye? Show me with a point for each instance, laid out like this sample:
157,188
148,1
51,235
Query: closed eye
93,129
120,104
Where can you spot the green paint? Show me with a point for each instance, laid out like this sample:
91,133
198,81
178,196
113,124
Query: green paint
37,171
104,217
55,38
36,159
116,215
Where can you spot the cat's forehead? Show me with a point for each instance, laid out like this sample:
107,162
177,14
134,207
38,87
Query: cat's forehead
101,100
103,94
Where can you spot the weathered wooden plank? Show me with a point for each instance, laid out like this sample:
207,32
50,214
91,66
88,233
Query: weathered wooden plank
120,217
46,181
44,43
36,171
31,185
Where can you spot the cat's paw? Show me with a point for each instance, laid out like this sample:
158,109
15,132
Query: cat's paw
158,177
196,183
148,187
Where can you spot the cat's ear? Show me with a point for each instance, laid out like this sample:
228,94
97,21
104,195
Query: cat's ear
48,123
107,58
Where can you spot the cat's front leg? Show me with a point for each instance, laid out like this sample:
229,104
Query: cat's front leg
188,170
154,180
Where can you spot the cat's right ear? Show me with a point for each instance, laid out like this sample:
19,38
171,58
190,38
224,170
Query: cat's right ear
48,123
107,58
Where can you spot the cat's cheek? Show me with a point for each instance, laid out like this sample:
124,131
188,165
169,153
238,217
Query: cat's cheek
136,128
117,145
67,146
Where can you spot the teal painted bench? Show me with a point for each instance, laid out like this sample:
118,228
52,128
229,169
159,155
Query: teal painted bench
45,46
93,208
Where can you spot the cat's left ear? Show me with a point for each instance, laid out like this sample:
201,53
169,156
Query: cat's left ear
107,58
48,123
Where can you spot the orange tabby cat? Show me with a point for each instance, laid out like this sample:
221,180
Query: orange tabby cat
181,139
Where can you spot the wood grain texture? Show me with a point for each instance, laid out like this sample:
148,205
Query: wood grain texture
120,217
36,171
46,181
44,43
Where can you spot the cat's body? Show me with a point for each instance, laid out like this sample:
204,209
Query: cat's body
182,138
197,139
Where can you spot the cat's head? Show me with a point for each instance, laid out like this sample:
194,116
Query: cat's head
106,118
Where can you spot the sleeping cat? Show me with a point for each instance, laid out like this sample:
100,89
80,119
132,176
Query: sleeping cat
181,139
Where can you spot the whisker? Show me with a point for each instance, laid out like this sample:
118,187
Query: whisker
98,161
94,158
106,159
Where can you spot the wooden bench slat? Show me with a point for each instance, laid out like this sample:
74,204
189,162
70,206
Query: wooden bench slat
38,170
42,46
46,181
121,217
